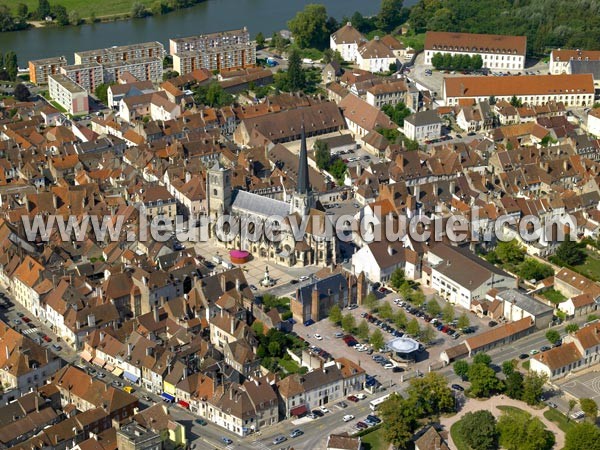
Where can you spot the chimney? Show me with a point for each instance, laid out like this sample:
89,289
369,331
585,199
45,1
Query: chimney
129,348
232,325
156,315
102,334
223,283
91,319
237,284
149,351
417,192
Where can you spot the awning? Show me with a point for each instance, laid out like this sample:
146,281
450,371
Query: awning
168,397
131,377
184,404
98,361
85,355
109,367
117,372
299,410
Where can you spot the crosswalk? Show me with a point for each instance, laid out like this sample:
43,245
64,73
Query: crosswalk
30,331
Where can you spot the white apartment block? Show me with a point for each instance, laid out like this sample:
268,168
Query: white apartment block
572,90
121,53
68,94
88,76
423,126
144,69
498,52
215,51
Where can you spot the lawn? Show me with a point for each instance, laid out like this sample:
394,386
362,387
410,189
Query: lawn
374,440
554,296
456,437
591,267
559,418
289,365
85,8
518,412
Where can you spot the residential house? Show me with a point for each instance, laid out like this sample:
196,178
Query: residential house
347,40
424,125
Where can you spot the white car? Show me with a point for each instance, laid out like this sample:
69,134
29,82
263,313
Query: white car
323,409
348,417
388,366
361,396
318,337
578,415
303,278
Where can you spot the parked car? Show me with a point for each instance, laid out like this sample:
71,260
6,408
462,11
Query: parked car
201,422
226,440
296,433
492,323
353,398
362,425
339,335
533,352
47,338
56,347
317,413
458,387
552,405
348,418
279,440
545,348
361,396
523,356
323,409
397,369
318,337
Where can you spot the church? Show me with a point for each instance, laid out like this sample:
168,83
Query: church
314,248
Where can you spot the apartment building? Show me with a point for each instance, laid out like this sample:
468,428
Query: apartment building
144,69
88,76
572,90
215,51
121,53
560,59
68,94
375,56
423,125
39,69
387,93
498,52
346,40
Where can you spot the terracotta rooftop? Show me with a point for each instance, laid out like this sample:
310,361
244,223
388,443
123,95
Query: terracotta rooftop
471,42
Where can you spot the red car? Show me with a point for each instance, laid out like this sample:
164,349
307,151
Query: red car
353,398
47,338
26,319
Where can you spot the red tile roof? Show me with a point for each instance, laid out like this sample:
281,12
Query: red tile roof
471,42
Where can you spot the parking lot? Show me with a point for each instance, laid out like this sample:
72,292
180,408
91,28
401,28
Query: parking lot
586,385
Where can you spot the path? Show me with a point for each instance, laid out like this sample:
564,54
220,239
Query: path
491,405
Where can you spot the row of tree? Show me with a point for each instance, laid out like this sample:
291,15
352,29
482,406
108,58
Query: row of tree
332,164
446,61
511,256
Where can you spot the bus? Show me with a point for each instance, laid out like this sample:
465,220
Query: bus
378,401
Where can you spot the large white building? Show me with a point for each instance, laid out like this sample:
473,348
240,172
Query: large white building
346,40
572,90
68,94
498,52
423,126
375,56
593,122
560,59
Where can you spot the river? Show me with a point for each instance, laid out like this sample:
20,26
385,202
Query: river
213,15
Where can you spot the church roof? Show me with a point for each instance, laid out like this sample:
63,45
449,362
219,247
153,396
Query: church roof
258,205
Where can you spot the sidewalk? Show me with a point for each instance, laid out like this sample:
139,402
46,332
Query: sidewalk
491,405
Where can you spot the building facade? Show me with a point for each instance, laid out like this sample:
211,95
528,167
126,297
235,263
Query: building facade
423,126
121,53
40,69
88,76
68,94
560,59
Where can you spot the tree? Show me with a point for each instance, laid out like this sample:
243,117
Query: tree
258,328
482,358
22,11
338,170
476,62
427,334
510,252
322,154
21,92
533,385
569,252
390,14
433,307
530,269
448,312
260,39
101,93
412,328
516,102
59,12
138,10
571,328
523,433
362,331
508,367
11,65
405,291
400,319
514,385
463,321
335,314
483,380
461,368
590,408
430,395
348,322
74,18
385,310
370,301
397,278
417,298
309,27
478,430
295,75
376,340
399,421
582,436
330,55
572,405
553,336
43,9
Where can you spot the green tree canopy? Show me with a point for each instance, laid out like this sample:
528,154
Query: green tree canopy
397,278
335,314
385,310
531,269
478,430
483,380
412,328
582,436
430,395
433,307
510,252
533,385
391,14
519,432
348,322
514,385
553,336
461,368
570,253
589,408
322,154
362,331
463,321
376,339
482,358
399,421
21,93
309,27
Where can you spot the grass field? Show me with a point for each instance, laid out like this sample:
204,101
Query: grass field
457,438
85,8
374,440
559,418
591,267
554,296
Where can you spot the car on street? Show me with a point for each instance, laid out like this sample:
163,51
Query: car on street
101,375
361,396
545,348
312,416
342,405
362,425
348,418
201,422
47,338
339,335
397,369
226,440
353,398
129,389
323,409
533,352
309,322
373,418
491,323
303,278
56,347
296,433
458,387
388,366
578,415
317,413
25,319
279,440
523,356
318,337
552,405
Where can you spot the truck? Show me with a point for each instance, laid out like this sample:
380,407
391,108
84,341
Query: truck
271,62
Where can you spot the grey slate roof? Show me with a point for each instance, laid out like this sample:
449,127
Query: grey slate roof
254,204
592,67
423,118
525,302
333,282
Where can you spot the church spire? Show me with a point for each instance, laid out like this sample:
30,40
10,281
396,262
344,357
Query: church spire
303,182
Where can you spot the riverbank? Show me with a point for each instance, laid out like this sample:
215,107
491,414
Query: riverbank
87,9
